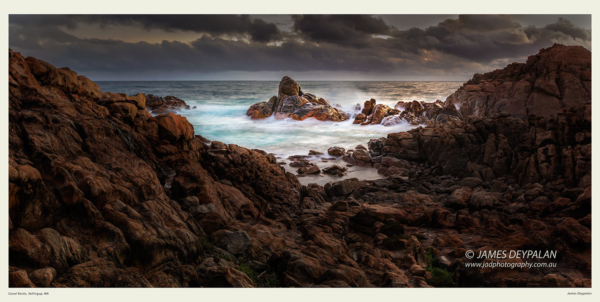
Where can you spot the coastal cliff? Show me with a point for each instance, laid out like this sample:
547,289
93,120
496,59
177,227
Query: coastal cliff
557,78
103,194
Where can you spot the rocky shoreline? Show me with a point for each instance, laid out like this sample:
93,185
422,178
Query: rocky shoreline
104,194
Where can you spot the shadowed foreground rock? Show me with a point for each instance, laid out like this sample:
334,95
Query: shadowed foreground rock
102,194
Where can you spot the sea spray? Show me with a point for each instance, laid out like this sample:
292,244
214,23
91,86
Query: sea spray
220,113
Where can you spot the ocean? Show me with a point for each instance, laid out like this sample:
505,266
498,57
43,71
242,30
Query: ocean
221,106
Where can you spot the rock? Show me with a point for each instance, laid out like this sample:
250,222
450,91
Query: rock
335,170
542,86
471,182
288,86
417,270
313,170
313,152
262,110
336,151
173,127
339,188
124,109
340,206
99,197
101,273
374,114
554,280
482,199
358,156
369,107
374,213
573,232
156,104
291,102
43,277
18,278
391,121
221,275
459,199
234,242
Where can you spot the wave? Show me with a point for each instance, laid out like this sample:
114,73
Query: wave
220,112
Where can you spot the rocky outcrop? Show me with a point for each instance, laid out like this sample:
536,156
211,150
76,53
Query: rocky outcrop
97,194
161,105
414,113
102,194
529,151
292,102
374,114
558,77
429,114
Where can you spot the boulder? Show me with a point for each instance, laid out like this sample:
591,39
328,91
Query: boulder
173,127
43,277
235,242
336,151
159,105
335,170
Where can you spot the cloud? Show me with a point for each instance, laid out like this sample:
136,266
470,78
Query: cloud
487,38
455,47
257,29
353,30
563,31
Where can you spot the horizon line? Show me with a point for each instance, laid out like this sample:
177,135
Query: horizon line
270,81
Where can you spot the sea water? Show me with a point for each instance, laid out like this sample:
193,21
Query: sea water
220,114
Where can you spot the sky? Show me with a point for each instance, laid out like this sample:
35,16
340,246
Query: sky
304,47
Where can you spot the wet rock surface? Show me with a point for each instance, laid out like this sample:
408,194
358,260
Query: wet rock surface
160,105
103,197
292,102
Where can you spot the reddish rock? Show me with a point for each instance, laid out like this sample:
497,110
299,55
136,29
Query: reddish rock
556,78
291,102
336,151
159,105
173,127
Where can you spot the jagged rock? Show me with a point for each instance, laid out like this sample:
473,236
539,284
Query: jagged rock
100,197
373,114
554,79
159,105
173,127
291,102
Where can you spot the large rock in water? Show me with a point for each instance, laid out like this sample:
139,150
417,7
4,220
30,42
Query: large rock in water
166,104
373,114
291,102
414,113
558,77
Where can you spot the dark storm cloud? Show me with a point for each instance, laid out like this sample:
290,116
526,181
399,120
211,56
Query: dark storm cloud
258,29
562,27
356,30
207,54
486,38
363,44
